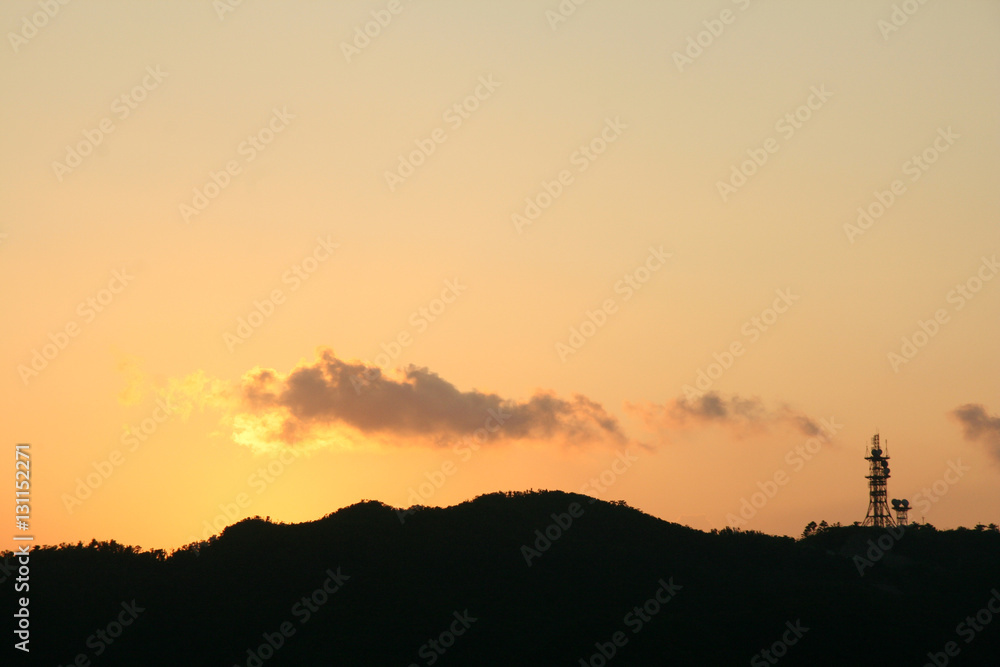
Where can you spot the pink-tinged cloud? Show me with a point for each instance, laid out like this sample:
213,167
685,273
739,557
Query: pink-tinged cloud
741,415
979,426
418,407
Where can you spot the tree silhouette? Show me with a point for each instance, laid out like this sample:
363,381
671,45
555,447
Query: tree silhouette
212,601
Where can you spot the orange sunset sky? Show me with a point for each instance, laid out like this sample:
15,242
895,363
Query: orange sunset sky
271,259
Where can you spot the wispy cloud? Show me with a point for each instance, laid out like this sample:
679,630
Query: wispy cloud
136,382
316,403
740,415
979,426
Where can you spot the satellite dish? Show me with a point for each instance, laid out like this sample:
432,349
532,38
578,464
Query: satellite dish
906,503
876,451
895,503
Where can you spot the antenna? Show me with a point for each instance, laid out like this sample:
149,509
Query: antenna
901,507
878,472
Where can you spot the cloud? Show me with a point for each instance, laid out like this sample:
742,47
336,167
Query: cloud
979,426
197,391
318,403
740,415
136,382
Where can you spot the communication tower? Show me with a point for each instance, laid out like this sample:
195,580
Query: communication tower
878,473
901,507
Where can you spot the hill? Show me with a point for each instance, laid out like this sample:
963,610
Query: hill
537,578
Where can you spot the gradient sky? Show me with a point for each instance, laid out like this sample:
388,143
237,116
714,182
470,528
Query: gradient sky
832,100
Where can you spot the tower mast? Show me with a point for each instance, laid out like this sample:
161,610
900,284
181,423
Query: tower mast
878,472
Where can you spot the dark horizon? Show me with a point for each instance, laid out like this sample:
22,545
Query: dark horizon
574,578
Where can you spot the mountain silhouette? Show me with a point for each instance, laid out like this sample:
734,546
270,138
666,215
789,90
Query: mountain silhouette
518,578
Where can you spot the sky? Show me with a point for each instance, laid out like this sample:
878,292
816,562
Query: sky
276,258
